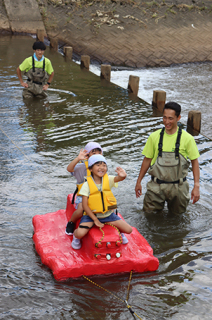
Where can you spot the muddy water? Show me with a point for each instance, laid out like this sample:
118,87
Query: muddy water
38,140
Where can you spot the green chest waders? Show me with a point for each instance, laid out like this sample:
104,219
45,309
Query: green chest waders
168,180
37,77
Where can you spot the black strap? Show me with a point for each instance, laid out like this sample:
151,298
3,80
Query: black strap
162,181
33,64
37,82
85,227
177,145
74,195
75,192
40,83
160,144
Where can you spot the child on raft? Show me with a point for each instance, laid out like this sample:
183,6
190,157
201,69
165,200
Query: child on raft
80,171
99,211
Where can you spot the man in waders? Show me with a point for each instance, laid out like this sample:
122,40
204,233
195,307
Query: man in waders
166,153
39,73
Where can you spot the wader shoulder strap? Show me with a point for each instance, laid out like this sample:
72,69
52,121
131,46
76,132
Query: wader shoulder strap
177,146
160,144
33,64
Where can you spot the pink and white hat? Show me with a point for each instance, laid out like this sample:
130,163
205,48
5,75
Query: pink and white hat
92,145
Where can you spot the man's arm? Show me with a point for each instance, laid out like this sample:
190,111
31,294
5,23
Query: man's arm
144,167
195,193
24,84
45,87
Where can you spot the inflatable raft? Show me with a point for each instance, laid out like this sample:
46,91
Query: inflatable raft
101,253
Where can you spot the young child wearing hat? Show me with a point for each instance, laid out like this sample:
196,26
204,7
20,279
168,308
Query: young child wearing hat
79,169
98,200
39,72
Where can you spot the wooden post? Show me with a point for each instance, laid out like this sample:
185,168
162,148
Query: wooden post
194,120
159,99
85,62
40,35
68,51
54,44
105,72
133,85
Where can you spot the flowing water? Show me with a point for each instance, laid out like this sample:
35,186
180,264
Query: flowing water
38,140
187,84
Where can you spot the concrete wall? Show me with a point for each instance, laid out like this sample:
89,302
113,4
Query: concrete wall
20,16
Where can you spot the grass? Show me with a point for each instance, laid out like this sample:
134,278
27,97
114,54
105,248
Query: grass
43,12
171,10
152,3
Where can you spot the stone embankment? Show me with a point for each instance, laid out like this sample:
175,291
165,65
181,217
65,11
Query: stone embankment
20,16
121,33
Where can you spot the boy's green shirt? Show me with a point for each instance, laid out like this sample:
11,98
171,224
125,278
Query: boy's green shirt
26,65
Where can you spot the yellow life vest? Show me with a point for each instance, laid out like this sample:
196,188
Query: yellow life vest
101,201
79,186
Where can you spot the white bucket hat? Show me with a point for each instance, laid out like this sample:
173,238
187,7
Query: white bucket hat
96,158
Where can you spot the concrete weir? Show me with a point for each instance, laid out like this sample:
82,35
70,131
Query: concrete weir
23,15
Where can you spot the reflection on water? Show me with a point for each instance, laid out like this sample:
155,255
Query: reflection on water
38,140
187,84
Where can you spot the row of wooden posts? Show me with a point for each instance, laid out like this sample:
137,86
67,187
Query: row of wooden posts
159,96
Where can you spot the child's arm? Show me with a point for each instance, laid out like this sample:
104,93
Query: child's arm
90,213
82,156
121,174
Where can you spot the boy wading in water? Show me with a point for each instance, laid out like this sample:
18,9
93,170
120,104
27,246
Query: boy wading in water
79,169
98,209
39,72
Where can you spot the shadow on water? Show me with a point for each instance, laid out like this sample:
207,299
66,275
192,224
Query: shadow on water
38,141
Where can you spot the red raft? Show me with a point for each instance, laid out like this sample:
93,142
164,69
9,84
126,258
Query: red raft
101,252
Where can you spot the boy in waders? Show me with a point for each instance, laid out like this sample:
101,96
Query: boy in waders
166,158
79,169
39,72
98,200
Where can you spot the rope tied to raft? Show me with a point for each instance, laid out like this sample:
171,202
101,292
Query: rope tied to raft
128,292
103,234
128,289
125,301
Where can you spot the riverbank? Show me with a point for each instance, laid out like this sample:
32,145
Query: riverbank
131,33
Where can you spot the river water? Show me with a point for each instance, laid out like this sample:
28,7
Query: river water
187,84
38,140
